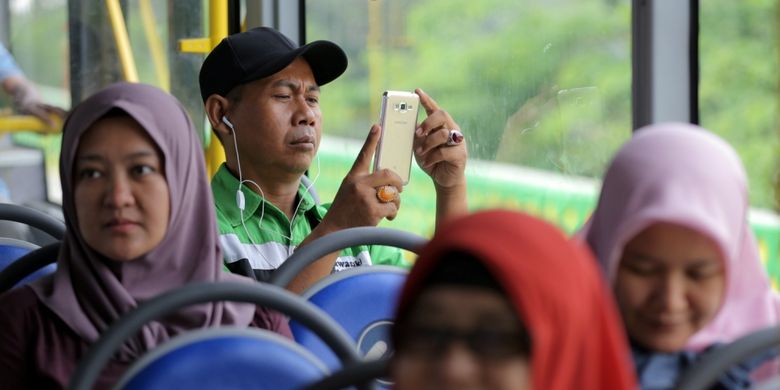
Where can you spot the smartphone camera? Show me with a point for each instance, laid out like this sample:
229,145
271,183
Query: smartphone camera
403,107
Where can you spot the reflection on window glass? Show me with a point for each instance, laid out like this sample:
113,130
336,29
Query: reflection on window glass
540,88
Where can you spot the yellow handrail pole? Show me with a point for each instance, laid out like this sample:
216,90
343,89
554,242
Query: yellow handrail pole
218,29
155,46
122,40
23,123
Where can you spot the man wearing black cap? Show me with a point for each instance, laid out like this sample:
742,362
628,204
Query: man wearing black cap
261,93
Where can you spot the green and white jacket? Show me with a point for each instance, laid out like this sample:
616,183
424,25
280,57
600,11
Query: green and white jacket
256,247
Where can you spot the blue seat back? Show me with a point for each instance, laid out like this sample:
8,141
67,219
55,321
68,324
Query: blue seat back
225,358
363,301
12,249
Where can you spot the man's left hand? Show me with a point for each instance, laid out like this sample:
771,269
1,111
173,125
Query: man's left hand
439,145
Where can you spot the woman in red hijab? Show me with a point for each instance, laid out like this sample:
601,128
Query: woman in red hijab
502,300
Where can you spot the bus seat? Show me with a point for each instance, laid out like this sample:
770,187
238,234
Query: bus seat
12,249
705,372
225,358
271,297
33,218
329,243
34,262
363,301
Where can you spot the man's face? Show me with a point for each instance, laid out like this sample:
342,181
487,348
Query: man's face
278,123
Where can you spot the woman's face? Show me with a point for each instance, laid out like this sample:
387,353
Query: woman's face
461,338
670,284
121,195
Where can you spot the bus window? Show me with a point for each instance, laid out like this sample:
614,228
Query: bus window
541,89
70,50
33,23
738,99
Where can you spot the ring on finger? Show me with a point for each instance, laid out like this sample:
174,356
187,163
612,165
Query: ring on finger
454,137
386,194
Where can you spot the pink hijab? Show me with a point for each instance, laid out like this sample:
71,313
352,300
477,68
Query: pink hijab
89,292
683,174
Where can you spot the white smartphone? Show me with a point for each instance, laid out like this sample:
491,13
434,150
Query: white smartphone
398,118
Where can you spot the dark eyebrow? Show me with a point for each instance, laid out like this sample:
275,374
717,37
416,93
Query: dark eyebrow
293,85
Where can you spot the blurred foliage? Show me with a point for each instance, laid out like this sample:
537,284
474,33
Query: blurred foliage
547,84
544,84
39,37
39,40
738,95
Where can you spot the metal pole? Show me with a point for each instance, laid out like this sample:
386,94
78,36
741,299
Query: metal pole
122,41
218,29
155,45
92,57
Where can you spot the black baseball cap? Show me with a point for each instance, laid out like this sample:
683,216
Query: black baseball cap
261,52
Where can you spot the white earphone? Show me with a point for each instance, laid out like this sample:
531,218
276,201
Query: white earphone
241,201
227,122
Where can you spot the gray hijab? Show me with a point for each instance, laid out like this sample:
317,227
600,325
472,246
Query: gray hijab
89,292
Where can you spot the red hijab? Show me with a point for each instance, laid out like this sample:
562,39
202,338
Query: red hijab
554,286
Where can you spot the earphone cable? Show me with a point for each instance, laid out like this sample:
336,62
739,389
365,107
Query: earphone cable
241,204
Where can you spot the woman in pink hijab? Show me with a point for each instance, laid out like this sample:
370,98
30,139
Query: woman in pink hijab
140,221
671,234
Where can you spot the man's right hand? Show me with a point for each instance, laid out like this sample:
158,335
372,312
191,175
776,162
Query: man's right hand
356,202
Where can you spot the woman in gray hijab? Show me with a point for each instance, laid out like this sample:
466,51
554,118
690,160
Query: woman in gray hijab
140,221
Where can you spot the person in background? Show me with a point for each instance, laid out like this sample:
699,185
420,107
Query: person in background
25,97
140,221
262,96
672,236
503,300
26,101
